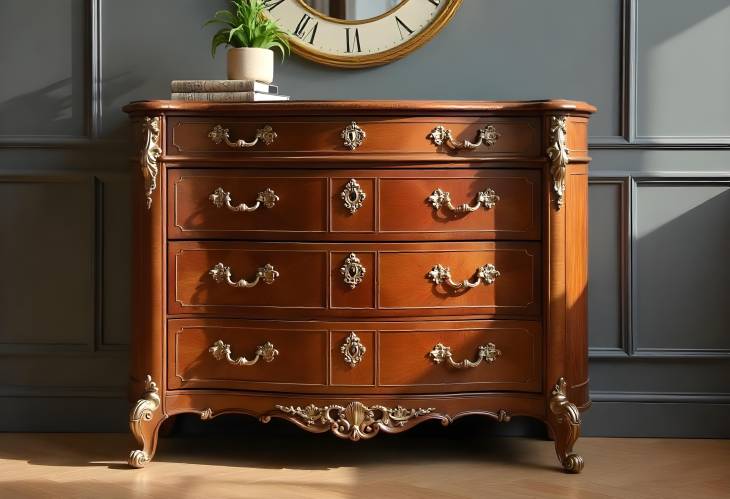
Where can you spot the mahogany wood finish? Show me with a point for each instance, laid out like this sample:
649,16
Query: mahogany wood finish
502,334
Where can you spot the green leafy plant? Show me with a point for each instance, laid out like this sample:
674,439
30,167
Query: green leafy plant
247,26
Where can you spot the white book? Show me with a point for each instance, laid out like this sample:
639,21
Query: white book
228,96
189,86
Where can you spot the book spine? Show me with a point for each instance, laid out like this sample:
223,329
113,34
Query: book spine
226,96
212,86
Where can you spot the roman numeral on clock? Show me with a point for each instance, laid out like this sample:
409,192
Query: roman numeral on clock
272,4
435,2
353,40
301,30
401,26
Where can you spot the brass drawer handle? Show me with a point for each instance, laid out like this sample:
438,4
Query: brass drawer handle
222,274
353,196
221,198
442,136
440,198
353,272
485,274
441,352
353,350
218,134
222,351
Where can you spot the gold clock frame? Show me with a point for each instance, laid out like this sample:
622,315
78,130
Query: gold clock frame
305,50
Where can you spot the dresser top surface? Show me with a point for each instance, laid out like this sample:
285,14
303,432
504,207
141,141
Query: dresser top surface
375,107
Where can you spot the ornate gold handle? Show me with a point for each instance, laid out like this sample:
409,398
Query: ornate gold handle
485,274
222,274
222,351
221,198
441,352
218,134
440,198
442,136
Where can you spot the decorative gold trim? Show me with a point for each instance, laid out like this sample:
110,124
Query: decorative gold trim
440,198
303,49
353,196
441,135
150,155
559,157
221,198
222,274
222,351
353,350
141,414
441,353
353,136
356,421
218,134
206,414
485,274
352,271
567,427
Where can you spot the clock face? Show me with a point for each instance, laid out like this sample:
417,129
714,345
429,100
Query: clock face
359,33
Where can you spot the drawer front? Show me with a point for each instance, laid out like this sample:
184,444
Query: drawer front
354,357
319,280
205,355
492,356
462,278
258,203
272,136
483,203
366,205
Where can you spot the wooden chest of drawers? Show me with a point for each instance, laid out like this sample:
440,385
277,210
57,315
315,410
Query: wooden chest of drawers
358,267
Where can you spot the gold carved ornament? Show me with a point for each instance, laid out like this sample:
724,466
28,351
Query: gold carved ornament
487,353
150,156
353,272
559,156
222,274
221,198
142,413
440,198
218,134
353,350
356,421
353,196
442,136
222,351
485,274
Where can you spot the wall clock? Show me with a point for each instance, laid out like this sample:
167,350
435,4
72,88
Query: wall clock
359,33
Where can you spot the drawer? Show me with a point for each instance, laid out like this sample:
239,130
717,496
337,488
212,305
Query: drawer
229,355
354,356
366,205
259,203
354,279
484,356
276,136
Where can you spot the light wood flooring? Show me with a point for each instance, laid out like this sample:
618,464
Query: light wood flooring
266,465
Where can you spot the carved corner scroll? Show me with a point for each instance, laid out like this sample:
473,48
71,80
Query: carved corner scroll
559,157
140,417
356,421
565,420
150,155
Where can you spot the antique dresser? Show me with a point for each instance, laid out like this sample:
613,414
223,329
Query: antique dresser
360,267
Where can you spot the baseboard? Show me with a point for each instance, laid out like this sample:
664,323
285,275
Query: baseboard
604,419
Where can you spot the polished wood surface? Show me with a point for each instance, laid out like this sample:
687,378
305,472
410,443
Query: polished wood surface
269,463
531,304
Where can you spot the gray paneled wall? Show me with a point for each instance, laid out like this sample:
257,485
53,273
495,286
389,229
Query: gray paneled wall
660,186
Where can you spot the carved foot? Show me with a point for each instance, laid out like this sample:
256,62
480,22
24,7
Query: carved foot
144,423
564,422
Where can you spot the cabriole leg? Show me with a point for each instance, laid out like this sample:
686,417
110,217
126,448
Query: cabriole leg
144,423
564,421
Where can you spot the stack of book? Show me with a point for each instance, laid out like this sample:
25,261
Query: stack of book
225,91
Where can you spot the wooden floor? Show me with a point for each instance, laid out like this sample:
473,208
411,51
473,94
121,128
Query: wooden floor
306,466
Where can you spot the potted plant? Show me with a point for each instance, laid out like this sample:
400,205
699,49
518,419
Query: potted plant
252,38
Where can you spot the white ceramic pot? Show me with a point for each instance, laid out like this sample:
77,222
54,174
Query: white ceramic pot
251,64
